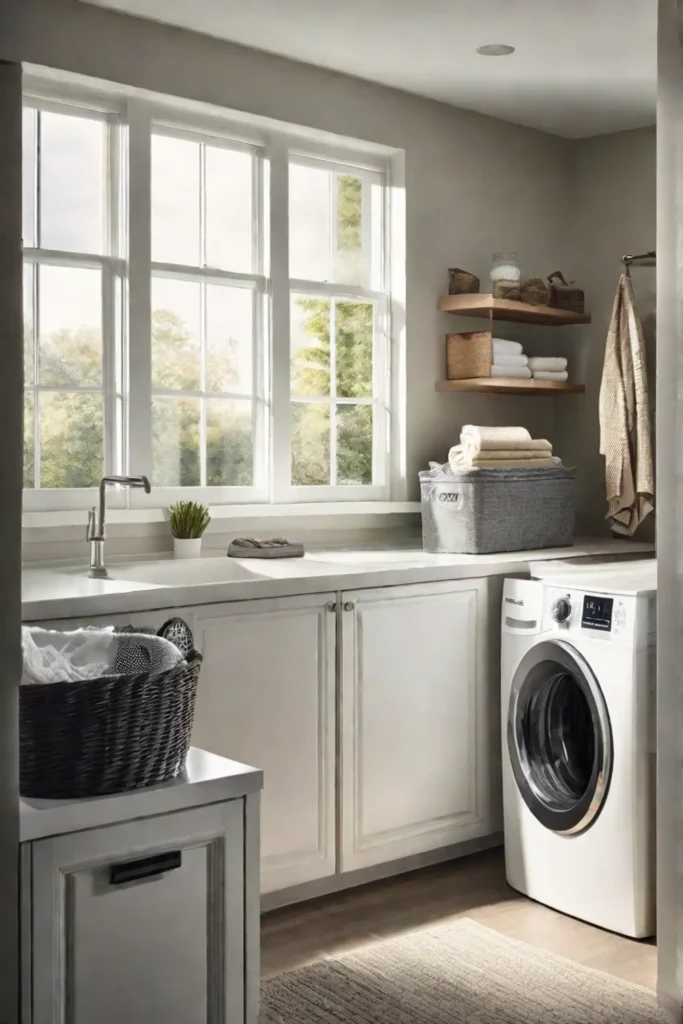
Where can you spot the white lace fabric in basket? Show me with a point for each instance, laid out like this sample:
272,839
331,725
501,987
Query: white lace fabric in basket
54,656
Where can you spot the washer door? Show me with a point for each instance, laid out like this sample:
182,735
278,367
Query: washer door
559,737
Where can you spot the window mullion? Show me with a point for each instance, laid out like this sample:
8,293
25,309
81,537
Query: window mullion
333,393
203,316
36,375
281,447
139,291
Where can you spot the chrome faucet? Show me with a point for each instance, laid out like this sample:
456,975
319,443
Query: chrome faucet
96,533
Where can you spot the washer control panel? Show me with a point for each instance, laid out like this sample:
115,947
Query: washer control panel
623,620
597,612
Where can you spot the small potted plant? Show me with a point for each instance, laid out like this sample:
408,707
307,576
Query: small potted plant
189,520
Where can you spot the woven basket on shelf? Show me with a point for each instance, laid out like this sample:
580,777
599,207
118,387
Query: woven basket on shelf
107,735
535,291
565,294
461,282
469,355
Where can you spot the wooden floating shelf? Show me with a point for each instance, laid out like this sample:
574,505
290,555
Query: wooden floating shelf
510,386
488,308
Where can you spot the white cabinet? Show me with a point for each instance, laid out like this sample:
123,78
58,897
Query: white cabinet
138,922
267,697
416,721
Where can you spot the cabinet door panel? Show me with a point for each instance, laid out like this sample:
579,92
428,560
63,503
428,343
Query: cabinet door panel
266,697
414,728
166,946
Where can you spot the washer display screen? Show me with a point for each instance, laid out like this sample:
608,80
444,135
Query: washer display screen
597,613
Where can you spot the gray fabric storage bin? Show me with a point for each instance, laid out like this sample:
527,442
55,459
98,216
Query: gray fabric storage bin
481,511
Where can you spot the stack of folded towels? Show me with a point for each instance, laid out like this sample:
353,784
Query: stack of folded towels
509,360
501,448
549,368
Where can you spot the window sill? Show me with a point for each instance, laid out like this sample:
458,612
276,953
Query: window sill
224,517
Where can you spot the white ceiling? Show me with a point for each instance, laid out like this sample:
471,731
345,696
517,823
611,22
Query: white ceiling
581,67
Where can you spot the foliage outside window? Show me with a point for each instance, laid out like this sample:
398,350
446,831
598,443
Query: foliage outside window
189,395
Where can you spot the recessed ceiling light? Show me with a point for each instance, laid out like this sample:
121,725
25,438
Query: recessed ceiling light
495,50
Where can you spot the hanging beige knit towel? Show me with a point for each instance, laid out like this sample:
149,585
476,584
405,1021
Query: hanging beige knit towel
625,432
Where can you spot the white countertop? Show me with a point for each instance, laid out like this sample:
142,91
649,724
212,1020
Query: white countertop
206,779
67,592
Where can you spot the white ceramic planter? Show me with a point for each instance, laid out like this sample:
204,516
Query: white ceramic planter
187,547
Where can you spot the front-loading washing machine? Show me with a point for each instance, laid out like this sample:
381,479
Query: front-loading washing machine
578,737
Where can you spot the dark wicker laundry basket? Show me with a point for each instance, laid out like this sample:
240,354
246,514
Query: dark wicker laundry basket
107,735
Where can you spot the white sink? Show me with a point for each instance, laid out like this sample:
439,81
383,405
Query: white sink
183,572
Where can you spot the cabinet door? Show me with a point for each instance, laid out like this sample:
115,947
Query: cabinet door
266,697
416,733
141,922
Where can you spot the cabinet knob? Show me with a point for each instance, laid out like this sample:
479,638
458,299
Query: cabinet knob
331,606
349,606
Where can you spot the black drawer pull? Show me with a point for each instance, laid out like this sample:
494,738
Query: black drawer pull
131,870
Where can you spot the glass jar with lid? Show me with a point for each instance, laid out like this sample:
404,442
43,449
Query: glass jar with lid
506,277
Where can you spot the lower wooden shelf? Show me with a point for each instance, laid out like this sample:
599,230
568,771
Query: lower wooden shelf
510,386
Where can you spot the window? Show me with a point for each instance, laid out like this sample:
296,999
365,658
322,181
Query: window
70,284
156,253
338,330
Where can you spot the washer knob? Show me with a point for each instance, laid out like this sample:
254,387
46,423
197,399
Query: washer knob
561,609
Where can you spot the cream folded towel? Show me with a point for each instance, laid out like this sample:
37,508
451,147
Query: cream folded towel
558,375
550,363
503,359
504,453
494,438
511,371
459,460
501,346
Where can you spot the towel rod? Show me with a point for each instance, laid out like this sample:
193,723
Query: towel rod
645,259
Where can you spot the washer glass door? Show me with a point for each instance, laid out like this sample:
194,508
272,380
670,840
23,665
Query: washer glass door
559,737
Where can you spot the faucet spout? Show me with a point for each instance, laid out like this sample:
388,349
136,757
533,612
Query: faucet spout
96,533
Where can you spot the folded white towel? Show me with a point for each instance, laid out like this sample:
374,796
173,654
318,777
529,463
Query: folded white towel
551,363
459,460
506,360
558,375
486,454
501,346
510,371
496,438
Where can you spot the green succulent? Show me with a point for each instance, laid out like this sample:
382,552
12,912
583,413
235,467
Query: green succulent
189,519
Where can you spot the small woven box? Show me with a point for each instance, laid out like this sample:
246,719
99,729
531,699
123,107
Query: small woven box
469,355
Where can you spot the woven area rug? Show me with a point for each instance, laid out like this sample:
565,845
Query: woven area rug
459,974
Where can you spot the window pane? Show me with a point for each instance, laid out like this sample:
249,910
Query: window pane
29,448
72,183
30,119
229,443
175,201
310,443
309,223
175,442
176,318
310,346
229,325
71,439
349,265
28,323
354,444
353,323
228,209
70,317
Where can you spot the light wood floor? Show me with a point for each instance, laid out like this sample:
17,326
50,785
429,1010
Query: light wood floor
472,887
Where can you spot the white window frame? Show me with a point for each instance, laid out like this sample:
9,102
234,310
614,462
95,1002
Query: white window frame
111,265
129,273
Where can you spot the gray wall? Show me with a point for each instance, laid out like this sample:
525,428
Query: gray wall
475,184
615,200
11,411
